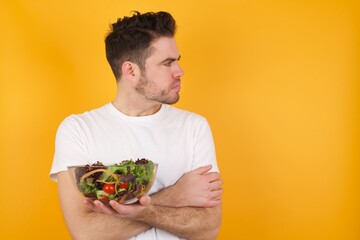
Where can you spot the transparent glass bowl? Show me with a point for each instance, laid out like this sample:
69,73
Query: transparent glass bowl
121,188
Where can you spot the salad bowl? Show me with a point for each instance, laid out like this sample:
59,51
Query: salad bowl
124,182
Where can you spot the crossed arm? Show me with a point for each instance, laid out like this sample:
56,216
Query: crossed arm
190,209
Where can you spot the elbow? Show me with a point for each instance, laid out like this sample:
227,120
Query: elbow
81,232
213,227
208,234
212,232
77,234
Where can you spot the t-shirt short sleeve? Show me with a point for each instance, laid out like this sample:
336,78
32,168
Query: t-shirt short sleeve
204,149
70,148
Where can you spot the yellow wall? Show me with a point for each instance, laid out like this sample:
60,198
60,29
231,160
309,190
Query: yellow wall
277,80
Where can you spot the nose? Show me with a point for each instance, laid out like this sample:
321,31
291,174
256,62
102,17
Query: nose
178,72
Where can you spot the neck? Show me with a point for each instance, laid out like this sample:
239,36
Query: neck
131,105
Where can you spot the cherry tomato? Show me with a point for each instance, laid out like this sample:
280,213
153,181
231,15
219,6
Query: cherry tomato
109,188
104,199
124,185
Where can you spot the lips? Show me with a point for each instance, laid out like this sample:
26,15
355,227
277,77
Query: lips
176,86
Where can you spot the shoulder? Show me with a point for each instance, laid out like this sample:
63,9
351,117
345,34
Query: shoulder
75,121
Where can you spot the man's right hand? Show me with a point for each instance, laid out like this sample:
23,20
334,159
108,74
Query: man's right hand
117,209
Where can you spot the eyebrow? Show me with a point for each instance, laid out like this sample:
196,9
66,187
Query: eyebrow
170,60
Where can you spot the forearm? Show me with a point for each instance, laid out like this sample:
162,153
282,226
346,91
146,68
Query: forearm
100,226
187,222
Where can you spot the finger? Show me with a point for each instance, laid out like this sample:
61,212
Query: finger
102,208
202,170
89,204
145,200
212,176
216,194
214,185
125,210
213,203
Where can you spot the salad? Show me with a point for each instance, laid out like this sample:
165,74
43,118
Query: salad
123,182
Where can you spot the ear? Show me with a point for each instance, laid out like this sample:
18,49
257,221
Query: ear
130,70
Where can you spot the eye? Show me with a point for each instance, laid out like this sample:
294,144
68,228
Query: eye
168,64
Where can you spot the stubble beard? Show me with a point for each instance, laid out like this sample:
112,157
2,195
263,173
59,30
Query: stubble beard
144,88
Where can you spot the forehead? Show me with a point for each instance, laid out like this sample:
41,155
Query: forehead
164,47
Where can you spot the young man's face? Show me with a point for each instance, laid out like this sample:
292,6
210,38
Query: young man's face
160,81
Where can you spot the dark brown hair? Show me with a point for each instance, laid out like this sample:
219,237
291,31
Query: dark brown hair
130,38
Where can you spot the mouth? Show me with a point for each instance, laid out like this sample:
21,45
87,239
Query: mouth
176,86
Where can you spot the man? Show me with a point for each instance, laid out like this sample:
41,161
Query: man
185,200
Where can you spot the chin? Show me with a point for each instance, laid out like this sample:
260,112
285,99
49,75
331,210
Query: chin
171,101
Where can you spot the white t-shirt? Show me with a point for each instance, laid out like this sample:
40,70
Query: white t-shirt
179,141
